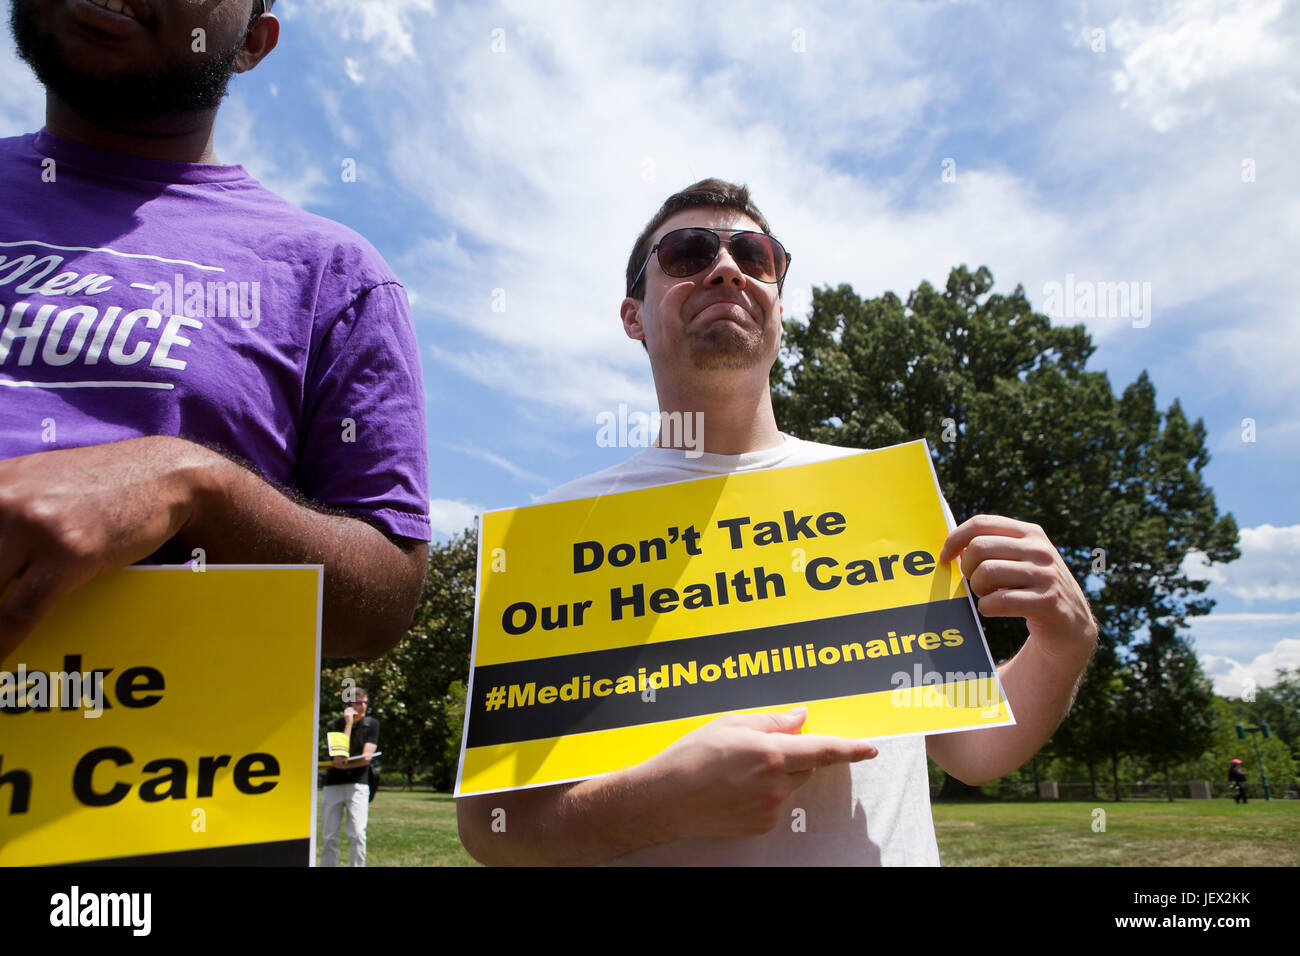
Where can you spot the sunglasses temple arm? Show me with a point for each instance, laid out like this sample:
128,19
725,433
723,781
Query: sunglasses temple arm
641,271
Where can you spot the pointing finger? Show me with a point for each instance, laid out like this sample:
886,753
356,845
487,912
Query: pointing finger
810,751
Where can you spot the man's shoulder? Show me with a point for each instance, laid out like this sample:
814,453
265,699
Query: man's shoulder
20,145
339,249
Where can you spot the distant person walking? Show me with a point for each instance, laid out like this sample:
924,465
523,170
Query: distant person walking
1237,780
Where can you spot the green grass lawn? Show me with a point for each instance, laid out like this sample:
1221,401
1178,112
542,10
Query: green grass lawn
1146,833
419,829
407,828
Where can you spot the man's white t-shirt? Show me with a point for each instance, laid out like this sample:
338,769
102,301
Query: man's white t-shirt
871,813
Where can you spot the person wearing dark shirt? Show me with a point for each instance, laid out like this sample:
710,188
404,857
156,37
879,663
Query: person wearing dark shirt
1237,780
347,783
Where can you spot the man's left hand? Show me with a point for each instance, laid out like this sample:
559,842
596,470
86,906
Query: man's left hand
1015,571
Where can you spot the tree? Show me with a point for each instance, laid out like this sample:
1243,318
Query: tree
1212,764
1279,707
1099,721
413,687
1172,711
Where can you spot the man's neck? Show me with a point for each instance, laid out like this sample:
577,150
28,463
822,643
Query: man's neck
730,416
181,140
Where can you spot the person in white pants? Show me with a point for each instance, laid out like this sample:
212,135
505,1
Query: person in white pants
347,784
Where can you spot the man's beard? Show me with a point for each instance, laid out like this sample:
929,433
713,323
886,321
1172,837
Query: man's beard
724,345
124,101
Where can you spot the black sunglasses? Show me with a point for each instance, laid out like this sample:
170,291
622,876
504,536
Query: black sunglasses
686,252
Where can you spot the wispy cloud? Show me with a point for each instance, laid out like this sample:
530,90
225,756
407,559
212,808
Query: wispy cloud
496,460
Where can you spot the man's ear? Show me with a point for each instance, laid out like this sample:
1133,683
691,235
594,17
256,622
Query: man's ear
630,311
261,41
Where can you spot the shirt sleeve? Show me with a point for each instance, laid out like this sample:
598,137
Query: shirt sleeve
370,733
364,449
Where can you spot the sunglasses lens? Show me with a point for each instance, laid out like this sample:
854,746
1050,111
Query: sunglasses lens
759,256
685,252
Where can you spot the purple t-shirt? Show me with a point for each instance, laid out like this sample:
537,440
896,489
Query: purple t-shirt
141,297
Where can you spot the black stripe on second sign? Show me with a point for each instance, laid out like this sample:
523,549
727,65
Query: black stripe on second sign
295,852
538,721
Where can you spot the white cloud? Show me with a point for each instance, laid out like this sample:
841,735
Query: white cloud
1268,569
1175,65
452,517
482,454
385,25
1231,677
566,390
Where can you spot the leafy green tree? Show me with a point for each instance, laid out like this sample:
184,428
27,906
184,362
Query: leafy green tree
413,687
1279,707
1172,710
1212,764
1098,724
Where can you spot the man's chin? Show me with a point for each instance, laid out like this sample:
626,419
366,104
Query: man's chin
107,95
725,345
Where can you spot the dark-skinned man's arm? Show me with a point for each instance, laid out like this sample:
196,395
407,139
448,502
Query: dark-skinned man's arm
69,515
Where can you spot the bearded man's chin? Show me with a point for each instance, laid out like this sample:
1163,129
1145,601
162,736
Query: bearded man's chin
154,101
727,346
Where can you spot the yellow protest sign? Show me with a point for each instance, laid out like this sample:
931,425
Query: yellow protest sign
607,628
165,711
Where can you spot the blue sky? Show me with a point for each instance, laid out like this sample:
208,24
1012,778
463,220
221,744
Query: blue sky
508,153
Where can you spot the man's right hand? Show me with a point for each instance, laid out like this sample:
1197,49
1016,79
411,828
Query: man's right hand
727,778
732,776
66,515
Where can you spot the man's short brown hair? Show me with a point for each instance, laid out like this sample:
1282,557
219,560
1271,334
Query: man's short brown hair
713,193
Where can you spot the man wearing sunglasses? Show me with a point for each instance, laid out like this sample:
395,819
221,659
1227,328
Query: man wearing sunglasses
186,360
703,296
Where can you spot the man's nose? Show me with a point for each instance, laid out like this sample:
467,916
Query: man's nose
725,270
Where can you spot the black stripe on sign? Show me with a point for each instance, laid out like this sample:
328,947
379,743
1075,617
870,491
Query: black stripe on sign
272,853
537,721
